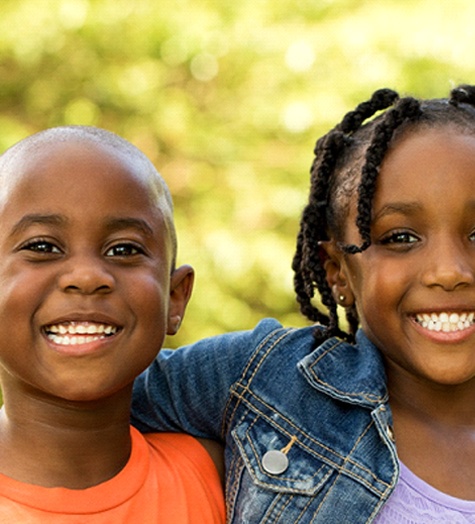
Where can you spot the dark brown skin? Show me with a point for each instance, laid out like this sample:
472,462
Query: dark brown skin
422,262
435,435
78,248
58,445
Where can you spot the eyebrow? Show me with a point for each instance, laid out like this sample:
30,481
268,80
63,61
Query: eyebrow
398,208
112,223
408,209
36,218
120,223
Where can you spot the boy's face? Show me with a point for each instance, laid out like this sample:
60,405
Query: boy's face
85,263
414,287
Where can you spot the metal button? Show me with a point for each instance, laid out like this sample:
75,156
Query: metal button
275,462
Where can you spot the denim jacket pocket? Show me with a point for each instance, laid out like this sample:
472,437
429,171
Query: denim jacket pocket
290,468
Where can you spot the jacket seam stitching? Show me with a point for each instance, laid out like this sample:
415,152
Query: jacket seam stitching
312,451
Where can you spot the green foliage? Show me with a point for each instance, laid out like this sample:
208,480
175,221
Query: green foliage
227,99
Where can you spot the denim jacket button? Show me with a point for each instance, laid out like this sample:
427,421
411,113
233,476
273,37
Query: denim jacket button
275,462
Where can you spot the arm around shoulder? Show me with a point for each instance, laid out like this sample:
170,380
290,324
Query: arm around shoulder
187,389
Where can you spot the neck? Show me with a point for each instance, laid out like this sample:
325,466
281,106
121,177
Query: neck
449,405
52,442
434,428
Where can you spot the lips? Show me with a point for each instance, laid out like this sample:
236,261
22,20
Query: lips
447,322
76,333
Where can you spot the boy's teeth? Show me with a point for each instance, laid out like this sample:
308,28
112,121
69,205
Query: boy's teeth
446,322
75,333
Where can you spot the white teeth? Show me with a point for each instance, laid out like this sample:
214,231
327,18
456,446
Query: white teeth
77,333
70,341
445,322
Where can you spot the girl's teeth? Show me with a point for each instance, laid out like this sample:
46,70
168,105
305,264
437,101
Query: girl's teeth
445,322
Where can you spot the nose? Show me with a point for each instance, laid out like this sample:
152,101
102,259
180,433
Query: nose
449,265
86,275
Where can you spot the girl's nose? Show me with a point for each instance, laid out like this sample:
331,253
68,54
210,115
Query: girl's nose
86,275
449,265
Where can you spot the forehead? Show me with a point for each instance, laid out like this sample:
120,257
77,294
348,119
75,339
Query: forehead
82,172
32,160
434,169
72,156
430,157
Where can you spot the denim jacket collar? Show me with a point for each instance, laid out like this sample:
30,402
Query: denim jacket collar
347,372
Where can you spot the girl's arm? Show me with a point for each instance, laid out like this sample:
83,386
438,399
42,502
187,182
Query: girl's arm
188,389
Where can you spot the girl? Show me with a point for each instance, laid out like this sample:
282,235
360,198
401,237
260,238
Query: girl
375,422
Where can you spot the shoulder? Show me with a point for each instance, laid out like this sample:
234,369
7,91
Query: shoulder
236,347
184,451
219,356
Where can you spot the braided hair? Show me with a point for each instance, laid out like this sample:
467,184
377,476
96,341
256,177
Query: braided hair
347,161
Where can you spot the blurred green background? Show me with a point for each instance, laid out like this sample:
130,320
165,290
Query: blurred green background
227,98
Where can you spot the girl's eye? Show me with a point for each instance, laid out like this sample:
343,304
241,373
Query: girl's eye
124,250
41,246
399,238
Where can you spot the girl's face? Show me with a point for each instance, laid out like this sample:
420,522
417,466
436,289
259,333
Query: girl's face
414,287
84,272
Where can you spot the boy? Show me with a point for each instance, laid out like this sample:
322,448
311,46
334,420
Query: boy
88,290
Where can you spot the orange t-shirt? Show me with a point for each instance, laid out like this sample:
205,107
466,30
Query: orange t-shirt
169,479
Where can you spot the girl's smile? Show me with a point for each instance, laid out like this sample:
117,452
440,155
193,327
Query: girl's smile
414,287
446,322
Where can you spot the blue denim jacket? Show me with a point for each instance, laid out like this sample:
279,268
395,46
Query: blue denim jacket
325,409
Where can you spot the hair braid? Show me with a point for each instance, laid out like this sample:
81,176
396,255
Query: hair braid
348,159
405,109
307,265
308,262
462,94
381,99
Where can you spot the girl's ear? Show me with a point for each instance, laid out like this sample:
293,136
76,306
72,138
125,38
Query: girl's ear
181,286
335,269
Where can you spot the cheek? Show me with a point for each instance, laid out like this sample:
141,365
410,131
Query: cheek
21,291
149,295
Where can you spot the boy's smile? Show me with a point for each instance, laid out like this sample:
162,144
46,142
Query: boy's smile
414,286
78,333
80,337
85,265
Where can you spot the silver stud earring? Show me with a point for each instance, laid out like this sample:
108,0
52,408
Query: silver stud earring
176,323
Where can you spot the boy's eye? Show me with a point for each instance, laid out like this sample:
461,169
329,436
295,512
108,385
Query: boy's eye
41,246
123,250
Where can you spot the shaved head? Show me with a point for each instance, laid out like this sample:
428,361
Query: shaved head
18,153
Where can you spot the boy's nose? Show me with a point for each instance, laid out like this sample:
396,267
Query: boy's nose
86,275
449,265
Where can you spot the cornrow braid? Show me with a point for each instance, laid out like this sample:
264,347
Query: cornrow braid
349,157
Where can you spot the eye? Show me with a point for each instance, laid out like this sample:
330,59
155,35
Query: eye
124,250
399,238
41,246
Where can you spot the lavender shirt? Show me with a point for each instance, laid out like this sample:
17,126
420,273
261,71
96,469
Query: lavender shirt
416,502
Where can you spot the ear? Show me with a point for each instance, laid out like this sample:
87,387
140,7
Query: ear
335,269
181,286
